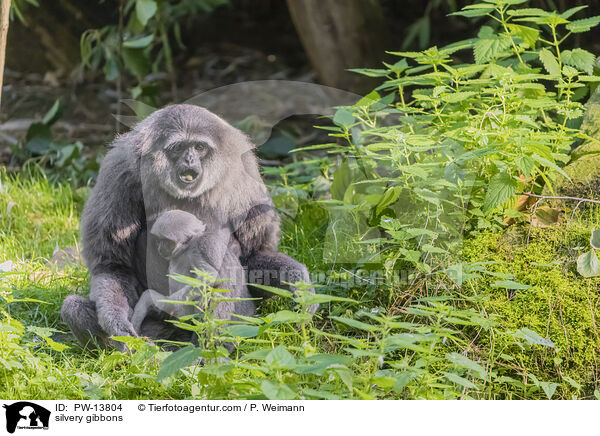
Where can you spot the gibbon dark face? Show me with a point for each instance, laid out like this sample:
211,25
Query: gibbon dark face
173,229
185,165
166,248
186,160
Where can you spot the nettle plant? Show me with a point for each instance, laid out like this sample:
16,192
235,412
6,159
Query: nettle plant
370,354
443,142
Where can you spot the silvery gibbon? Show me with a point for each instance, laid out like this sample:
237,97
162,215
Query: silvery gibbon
186,158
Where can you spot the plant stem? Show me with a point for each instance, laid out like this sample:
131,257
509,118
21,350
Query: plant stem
552,197
503,21
4,16
557,46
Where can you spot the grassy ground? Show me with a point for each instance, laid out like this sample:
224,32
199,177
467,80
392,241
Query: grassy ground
476,342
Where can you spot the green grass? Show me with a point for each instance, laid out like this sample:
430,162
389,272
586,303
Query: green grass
467,343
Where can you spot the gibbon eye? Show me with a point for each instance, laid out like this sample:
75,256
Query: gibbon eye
202,148
175,148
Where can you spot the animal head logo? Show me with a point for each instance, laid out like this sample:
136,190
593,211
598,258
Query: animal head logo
26,415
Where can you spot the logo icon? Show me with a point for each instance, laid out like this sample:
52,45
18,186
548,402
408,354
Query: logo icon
26,415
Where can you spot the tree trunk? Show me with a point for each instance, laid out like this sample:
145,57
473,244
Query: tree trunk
341,34
4,15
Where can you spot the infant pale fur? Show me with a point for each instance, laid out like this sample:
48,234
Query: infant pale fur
185,242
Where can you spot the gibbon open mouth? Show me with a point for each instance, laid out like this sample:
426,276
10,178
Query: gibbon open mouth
188,175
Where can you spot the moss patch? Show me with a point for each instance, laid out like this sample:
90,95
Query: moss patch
560,304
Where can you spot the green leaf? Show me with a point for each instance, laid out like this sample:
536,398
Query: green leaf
569,71
571,382
579,26
549,61
570,12
397,67
346,376
38,139
528,34
111,69
509,284
367,100
132,342
529,12
343,117
342,178
525,164
402,380
552,19
356,324
318,363
191,281
549,388
550,164
384,378
458,96
287,316
464,362
136,61
323,395
532,338
388,198
460,380
370,72
67,153
588,264
595,239
501,188
242,330
144,10
281,292
460,273
46,333
280,357
309,298
581,59
142,42
471,12
489,45
179,359
276,391
589,78
53,114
